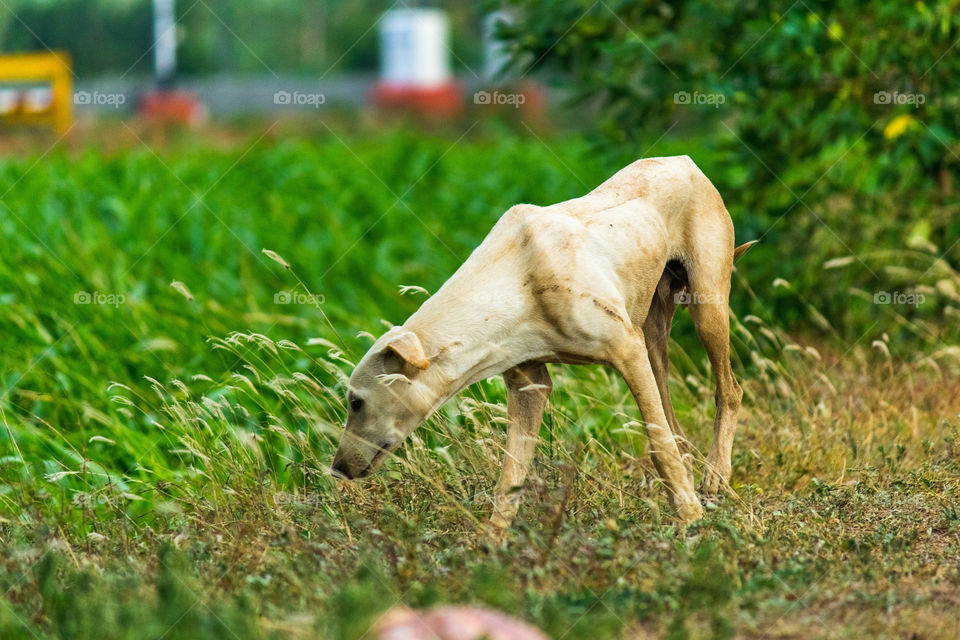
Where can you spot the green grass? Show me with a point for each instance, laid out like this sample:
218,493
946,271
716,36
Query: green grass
165,451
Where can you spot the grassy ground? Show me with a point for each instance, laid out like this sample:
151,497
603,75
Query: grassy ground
164,448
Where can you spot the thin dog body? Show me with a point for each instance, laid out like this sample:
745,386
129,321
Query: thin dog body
595,279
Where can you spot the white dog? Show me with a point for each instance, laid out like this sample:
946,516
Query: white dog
595,279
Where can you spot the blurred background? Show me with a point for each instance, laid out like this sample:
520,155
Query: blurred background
830,128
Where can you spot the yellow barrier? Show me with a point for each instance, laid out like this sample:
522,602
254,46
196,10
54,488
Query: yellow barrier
51,68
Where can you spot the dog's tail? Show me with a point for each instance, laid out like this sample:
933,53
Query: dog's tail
742,249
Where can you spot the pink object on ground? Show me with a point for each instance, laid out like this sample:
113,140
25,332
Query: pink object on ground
453,623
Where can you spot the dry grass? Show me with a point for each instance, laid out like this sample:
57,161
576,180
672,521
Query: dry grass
843,521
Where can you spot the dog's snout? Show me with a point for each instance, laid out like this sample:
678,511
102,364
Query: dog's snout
346,467
341,471
357,456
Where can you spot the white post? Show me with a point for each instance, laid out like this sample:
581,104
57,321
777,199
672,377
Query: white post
496,55
165,39
414,50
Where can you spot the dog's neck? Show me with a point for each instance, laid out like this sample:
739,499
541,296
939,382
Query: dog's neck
464,347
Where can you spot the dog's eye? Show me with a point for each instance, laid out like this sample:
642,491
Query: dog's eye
356,404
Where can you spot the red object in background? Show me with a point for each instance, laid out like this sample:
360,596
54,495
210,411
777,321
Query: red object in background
172,107
536,98
442,100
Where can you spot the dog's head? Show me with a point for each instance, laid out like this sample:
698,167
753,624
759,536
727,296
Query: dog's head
387,399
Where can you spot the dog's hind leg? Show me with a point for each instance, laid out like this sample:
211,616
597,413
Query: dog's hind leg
709,308
528,387
633,362
656,334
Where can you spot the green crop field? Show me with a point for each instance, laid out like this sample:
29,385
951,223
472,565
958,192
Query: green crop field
177,321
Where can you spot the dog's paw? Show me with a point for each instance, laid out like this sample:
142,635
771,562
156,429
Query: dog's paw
689,512
493,535
714,481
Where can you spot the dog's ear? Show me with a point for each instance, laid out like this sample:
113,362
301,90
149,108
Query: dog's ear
407,346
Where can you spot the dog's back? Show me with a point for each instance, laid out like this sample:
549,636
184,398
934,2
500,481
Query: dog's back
608,248
667,184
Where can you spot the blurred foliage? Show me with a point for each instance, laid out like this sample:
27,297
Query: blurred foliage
262,37
837,122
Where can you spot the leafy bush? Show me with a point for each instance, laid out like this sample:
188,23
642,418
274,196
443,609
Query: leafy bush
833,125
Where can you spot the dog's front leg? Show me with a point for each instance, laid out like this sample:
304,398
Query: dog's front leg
528,386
